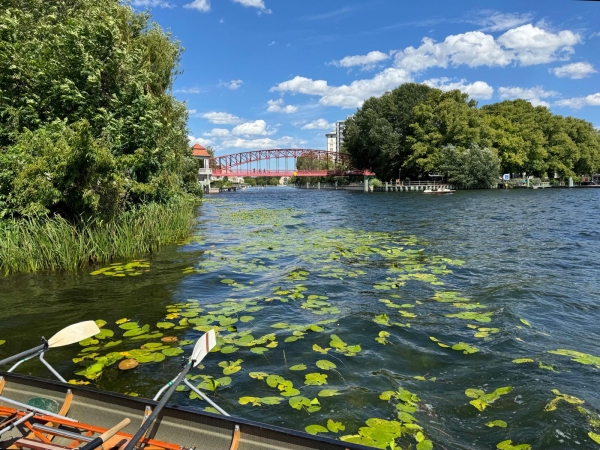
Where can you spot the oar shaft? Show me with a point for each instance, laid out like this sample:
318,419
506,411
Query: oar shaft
138,435
22,354
105,436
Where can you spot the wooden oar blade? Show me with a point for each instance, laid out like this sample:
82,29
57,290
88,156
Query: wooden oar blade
203,346
74,333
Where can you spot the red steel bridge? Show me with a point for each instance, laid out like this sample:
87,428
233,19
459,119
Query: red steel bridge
284,163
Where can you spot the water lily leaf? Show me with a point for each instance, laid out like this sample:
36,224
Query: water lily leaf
275,380
172,351
425,445
299,402
112,344
522,360
228,349
259,350
169,339
335,427
328,393
465,348
497,423
128,325
298,367
314,429
325,365
88,341
290,392
271,400
258,375
136,331
165,325
315,379
507,445
523,321
128,364
594,436
227,281
100,323
246,319
256,401
471,315
474,393
2,342
318,349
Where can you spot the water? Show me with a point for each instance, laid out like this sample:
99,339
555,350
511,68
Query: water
529,255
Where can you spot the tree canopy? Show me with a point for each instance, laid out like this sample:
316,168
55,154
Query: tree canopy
413,126
88,123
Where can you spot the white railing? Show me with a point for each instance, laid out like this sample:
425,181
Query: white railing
203,171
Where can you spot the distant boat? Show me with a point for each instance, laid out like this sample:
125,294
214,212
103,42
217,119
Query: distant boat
440,190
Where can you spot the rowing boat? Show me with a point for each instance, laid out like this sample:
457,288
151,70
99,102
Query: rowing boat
440,190
177,427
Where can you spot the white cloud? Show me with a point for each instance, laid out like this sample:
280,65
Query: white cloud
221,118
192,90
533,95
478,89
319,124
191,111
367,61
525,45
278,107
152,4
580,102
200,5
497,21
257,127
575,71
194,140
263,143
233,84
346,96
259,4
533,45
218,133
272,43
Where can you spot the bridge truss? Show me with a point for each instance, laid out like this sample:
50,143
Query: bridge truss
284,163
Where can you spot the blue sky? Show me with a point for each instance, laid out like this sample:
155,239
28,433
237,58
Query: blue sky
260,74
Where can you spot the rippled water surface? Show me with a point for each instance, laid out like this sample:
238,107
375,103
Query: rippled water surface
517,271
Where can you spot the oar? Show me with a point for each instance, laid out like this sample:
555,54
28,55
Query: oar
69,335
201,349
105,436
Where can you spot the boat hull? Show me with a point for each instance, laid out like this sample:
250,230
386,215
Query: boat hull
185,427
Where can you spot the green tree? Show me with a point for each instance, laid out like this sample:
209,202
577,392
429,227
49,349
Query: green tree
85,101
378,136
472,167
444,118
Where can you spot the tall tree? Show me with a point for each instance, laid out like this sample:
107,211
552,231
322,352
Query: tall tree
377,136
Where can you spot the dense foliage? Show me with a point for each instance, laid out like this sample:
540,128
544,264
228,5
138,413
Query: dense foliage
88,125
411,128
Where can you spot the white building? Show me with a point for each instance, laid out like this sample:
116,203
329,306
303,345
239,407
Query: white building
331,142
339,135
204,170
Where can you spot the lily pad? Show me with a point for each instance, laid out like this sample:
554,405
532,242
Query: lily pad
314,429
128,364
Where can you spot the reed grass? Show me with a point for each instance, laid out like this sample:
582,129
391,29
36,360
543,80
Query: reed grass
31,245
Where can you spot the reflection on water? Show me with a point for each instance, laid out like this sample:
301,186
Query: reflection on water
429,295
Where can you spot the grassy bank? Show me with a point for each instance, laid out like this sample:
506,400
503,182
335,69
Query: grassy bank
56,244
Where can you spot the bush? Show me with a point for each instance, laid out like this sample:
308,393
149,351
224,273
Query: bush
375,182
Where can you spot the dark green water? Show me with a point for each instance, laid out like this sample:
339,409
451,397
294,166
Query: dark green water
506,255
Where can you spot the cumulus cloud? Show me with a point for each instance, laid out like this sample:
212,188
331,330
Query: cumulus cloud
221,118
319,124
367,61
263,143
199,5
257,127
218,133
233,84
533,95
194,140
533,45
346,96
575,71
278,106
479,89
259,4
580,102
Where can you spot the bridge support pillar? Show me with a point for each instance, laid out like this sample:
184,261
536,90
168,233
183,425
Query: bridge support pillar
307,185
366,184
386,186
336,185
318,185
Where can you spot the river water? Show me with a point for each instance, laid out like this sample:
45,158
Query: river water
502,276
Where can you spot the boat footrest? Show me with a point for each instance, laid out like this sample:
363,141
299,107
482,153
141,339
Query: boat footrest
37,445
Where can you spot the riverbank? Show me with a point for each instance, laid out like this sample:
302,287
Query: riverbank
32,245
